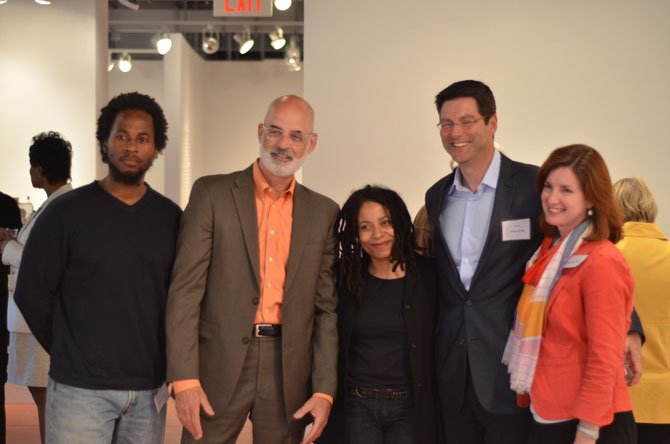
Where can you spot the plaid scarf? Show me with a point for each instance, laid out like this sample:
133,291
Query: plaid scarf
543,270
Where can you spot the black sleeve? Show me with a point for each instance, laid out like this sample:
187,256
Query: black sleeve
636,325
41,272
10,214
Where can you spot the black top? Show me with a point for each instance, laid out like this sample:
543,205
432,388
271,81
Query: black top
379,356
93,286
10,217
417,311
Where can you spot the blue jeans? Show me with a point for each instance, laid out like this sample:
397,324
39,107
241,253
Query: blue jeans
380,421
82,416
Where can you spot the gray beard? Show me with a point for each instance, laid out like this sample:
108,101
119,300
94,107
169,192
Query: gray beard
276,168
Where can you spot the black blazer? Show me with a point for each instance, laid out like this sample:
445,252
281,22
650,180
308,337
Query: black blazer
473,326
419,316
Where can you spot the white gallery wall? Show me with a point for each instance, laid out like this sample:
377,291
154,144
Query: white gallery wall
563,72
51,78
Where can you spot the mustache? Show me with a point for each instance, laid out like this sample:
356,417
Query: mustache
130,157
282,152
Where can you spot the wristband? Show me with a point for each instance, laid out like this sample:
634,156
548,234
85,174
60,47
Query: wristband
591,433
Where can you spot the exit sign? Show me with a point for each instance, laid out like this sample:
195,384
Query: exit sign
243,8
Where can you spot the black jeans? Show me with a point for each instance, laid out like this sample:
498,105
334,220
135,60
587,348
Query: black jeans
653,433
380,421
620,431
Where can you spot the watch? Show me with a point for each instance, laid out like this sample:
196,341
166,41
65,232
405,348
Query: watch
591,433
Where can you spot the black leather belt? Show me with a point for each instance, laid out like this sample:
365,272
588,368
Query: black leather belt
378,393
266,331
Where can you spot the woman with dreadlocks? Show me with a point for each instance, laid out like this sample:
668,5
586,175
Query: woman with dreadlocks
385,316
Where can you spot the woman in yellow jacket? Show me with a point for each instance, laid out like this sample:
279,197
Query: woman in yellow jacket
647,251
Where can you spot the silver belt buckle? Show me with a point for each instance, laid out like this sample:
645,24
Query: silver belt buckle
257,330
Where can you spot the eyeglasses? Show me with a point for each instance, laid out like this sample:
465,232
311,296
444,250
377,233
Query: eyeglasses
468,122
274,134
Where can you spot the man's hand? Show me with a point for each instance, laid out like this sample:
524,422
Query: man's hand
319,408
188,403
634,354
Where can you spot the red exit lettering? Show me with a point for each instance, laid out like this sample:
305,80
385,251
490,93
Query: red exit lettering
243,6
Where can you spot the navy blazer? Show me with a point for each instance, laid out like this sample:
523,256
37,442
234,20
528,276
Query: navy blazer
473,326
419,316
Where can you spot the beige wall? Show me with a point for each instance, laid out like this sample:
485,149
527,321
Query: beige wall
48,72
563,72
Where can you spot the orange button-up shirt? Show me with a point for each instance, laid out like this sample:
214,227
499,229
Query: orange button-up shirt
275,217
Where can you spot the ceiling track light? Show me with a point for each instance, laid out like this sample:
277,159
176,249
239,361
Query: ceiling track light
283,5
2,2
125,62
210,40
277,40
43,2
163,43
292,55
130,5
244,40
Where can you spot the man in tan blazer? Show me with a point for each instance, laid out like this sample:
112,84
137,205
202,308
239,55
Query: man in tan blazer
251,324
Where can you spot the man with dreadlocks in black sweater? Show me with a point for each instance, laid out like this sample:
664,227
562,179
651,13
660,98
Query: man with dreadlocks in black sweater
93,287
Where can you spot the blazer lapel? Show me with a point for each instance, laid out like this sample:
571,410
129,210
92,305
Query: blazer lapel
299,231
245,202
408,287
501,206
439,240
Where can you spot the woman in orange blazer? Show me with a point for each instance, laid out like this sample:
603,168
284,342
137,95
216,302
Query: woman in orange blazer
565,352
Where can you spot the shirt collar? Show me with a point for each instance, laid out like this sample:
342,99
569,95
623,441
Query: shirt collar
262,186
490,178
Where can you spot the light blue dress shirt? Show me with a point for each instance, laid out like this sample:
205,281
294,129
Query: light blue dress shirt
465,219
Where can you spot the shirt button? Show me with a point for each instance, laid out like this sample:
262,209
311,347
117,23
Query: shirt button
407,307
413,345
269,285
254,301
270,258
461,341
419,385
272,232
468,302
245,340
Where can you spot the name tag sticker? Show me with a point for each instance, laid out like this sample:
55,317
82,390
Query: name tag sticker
161,397
517,229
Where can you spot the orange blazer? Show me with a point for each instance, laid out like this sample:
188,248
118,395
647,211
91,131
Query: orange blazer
580,370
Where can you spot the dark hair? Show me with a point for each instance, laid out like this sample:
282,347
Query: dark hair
594,178
53,154
353,261
128,101
479,91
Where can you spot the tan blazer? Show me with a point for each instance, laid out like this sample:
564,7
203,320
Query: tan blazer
214,292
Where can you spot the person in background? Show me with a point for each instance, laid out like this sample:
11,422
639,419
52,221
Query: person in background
10,219
50,164
647,251
93,288
386,317
565,351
